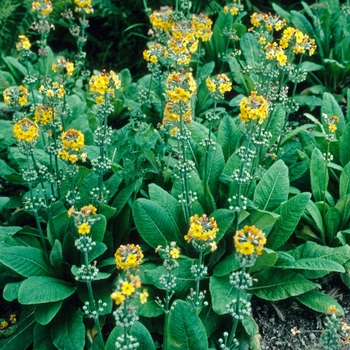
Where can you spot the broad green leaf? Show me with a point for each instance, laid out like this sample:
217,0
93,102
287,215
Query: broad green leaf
123,197
23,336
56,257
68,330
343,205
10,292
58,228
290,213
224,219
226,265
319,175
344,151
185,329
332,221
229,135
26,261
311,264
273,188
42,339
153,223
319,301
40,289
97,250
250,326
267,259
199,132
213,163
44,313
312,210
344,183
222,292
98,229
274,284
170,205
138,331
250,48
260,218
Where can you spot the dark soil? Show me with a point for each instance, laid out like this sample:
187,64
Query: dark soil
276,320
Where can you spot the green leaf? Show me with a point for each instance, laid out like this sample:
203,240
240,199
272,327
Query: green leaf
319,175
224,219
153,223
290,213
250,326
40,289
229,135
23,336
274,284
98,250
170,205
250,48
68,330
273,188
56,257
331,107
26,261
312,210
44,313
42,338
98,229
10,292
58,228
344,183
185,329
260,218
344,146
332,221
226,265
319,301
138,331
267,259
123,197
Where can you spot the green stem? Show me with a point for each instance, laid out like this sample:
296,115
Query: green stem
93,305
227,43
198,280
166,314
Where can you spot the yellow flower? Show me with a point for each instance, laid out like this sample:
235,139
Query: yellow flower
201,228
43,114
255,107
117,297
3,324
127,288
246,248
174,253
332,128
72,139
332,309
13,318
249,240
210,84
123,259
26,130
143,296
281,58
84,228
71,211
88,210
23,44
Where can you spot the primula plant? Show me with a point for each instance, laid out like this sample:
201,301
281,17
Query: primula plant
156,213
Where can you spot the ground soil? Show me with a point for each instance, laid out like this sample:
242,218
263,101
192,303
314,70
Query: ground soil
276,320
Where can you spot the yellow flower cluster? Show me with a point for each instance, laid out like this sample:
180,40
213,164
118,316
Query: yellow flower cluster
331,122
252,108
44,114
299,41
84,5
26,130
221,84
202,24
103,84
233,8
54,90
201,229
180,87
23,44
16,96
63,64
44,7
127,287
154,52
250,240
83,218
273,51
271,22
72,142
128,256
161,19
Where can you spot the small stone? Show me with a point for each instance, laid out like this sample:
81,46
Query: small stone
312,336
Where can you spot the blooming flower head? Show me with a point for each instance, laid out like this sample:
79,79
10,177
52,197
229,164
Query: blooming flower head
161,20
16,97
83,5
253,108
23,44
43,7
83,218
332,309
44,114
26,130
202,229
218,86
118,297
249,241
72,139
154,52
202,25
88,210
174,253
127,288
272,22
233,8
84,228
143,296
104,84
52,91
128,256
62,64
